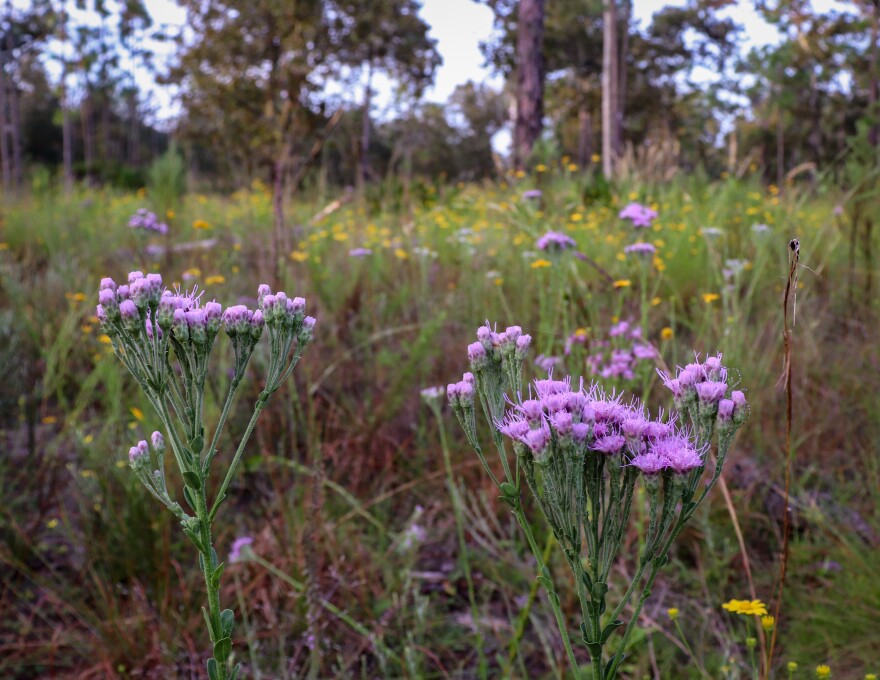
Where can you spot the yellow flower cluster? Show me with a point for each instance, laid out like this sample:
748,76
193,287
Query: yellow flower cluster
746,607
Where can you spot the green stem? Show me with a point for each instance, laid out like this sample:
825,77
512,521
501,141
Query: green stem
551,594
221,493
227,405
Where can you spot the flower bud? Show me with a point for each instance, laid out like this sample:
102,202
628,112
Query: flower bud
134,276
213,314
256,324
307,330
180,326
107,284
477,354
158,441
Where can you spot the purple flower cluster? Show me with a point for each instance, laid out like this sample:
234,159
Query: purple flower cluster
640,248
147,221
559,418
491,345
287,313
554,241
611,362
705,383
640,215
461,393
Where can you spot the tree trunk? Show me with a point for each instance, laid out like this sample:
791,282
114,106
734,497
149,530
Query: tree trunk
364,165
609,86
5,156
874,91
14,122
85,112
621,78
529,80
585,135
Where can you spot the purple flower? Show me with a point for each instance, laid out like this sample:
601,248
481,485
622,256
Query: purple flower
678,452
514,427
107,284
562,422
101,314
532,194
640,248
711,392
476,353
725,410
239,544
643,351
538,440
640,215
359,252
158,441
134,454
128,310
609,444
649,463
147,221
554,241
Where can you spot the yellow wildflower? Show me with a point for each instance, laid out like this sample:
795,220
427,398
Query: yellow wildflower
823,671
746,607
137,413
792,666
666,333
52,523
50,420
767,623
709,298
88,439
169,214
201,224
622,283
299,256
538,264
105,339
572,167
401,254
595,158
656,301
216,279
673,613
540,167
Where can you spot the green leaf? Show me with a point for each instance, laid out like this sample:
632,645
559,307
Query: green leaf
227,621
213,670
187,494
508,489
195,539
609,629
222,648
197,444
215,577
599,590
235,672
547,583
192,479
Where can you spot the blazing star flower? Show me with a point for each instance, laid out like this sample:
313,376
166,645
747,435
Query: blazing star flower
145,220
238,545
640,215
609,444
649,463
553,241
711,392
678,453
640,248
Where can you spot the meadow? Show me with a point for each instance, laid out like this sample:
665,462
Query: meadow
343,486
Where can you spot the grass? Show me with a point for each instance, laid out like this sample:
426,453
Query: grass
97,582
